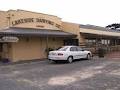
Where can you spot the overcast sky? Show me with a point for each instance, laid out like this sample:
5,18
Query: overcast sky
95,12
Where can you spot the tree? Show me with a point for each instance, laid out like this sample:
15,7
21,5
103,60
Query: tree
114,26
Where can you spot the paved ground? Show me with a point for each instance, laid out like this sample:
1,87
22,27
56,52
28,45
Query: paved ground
80,75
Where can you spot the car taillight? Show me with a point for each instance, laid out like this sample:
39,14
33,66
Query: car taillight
60,54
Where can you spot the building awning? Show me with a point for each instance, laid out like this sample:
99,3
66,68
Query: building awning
14,31
98,33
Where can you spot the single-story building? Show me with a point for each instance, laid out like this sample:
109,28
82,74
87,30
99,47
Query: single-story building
26,35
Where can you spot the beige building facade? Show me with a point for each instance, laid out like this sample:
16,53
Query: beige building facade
26,35
36,32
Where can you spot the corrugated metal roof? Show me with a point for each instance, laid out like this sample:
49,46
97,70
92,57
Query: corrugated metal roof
92,27
101,32
97,28
35,32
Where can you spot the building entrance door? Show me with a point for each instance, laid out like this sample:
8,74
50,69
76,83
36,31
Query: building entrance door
3,51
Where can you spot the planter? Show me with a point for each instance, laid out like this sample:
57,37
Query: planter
101,52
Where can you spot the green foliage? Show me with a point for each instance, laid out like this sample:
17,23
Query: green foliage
113,26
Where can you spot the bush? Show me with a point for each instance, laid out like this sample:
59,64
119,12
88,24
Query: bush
5,60
48,49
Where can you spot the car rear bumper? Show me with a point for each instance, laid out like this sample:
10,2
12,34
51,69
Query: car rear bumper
56,58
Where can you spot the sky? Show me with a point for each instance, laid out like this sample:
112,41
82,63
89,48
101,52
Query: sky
94,12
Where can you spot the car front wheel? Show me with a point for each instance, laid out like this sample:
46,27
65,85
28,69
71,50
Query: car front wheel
70,59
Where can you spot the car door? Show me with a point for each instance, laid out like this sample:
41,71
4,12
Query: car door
74,52
80,53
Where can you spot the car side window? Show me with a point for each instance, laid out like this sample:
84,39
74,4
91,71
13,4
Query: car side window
79,49
73,49
63,49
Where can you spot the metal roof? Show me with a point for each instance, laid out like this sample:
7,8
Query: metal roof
97,28
101,32
35,32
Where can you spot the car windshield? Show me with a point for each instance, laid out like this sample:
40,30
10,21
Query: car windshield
63,49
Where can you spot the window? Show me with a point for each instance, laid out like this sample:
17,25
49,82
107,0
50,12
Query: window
1,47
73,49
63,49
79,49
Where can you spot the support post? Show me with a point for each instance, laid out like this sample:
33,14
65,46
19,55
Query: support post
47,51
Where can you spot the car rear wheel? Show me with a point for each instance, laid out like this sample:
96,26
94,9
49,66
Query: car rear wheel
88,57
70,59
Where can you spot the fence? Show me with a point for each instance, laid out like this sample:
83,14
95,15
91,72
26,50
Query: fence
107,49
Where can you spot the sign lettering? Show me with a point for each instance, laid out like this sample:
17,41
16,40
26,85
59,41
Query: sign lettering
9,39
34,20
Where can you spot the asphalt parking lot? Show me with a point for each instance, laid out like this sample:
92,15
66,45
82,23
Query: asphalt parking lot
80,75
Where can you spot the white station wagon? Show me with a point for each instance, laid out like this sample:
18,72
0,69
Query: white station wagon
69,53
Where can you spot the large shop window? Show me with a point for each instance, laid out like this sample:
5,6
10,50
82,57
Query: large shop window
1,47
71,42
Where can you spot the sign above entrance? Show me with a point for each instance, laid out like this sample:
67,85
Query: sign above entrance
9,39
34,20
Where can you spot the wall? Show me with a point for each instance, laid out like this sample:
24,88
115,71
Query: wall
74,29
34,48
3,20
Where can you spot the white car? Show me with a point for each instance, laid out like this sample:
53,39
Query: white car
69,53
